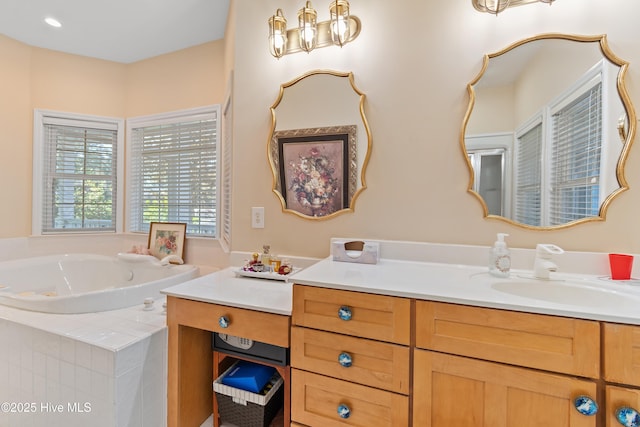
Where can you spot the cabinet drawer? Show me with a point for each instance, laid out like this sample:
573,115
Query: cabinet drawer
373,363
377,317
551,343
315,400
622,353
256,325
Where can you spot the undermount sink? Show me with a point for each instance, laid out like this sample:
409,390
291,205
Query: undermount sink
568,292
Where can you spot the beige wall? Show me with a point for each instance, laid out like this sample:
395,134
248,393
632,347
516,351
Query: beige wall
76,84
184,79
413,60
15,138
33,78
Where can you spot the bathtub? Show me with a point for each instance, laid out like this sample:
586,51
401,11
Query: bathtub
84,283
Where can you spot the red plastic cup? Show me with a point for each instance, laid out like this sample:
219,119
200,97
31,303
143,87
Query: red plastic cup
621,266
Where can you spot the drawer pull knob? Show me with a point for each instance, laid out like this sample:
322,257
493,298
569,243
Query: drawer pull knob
345,313
628,417
585,405
345,359
223,321
344,411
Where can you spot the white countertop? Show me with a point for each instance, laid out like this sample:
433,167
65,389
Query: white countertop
429,272
470,285
223,287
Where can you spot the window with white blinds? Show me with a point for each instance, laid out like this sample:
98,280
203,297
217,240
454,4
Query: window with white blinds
528,188
559,159
173,170
76,184
575,164
227,163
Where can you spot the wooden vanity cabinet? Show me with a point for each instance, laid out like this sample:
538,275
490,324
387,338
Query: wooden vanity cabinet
497,368
193,365
431,364
372,339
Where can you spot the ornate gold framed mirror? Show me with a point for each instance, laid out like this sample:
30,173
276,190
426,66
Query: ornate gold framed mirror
547,131
319,144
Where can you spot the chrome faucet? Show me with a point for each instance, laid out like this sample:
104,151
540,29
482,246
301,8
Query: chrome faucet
543,264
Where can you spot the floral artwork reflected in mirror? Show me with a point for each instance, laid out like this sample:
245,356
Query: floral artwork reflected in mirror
317,169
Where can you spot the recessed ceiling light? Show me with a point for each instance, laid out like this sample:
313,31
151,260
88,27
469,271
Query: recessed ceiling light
53,22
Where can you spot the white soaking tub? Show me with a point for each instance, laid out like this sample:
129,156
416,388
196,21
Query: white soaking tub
84,283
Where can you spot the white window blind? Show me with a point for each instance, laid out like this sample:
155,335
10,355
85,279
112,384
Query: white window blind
78,182
174,171
528,198
227,162
575,164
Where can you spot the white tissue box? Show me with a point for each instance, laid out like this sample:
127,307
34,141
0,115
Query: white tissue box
356,251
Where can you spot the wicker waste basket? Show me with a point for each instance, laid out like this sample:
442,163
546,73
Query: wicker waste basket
246,409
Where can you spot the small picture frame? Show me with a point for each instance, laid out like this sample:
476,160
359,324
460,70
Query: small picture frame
167,238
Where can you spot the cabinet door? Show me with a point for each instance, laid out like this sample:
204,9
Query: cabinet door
458,391
622,353
618,397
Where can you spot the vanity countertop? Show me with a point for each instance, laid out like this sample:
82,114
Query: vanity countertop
434,281
224,288
470,285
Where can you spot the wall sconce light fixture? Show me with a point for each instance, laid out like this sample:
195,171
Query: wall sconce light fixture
277,34
341,29
496,6
308,27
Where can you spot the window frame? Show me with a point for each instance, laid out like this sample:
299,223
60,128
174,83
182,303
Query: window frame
39,120
226,168
172,117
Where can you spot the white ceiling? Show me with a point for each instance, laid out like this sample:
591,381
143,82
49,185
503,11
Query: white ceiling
116,30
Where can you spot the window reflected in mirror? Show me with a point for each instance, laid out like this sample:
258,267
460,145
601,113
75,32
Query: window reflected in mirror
542,132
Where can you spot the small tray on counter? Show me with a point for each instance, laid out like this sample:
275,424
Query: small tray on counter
270,275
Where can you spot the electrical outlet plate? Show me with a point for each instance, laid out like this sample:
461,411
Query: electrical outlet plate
257,217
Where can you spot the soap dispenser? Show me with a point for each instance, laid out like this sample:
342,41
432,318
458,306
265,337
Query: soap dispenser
500,257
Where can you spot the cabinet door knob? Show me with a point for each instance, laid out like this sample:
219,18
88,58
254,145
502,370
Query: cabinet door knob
344,411
628,417
585,405
223,321
345,313
345,359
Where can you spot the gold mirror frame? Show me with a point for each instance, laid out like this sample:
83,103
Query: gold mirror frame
626,126
355,141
